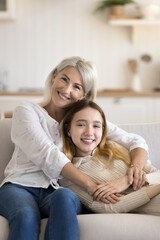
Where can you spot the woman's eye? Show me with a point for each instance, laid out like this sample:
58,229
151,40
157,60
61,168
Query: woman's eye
64,79
77,87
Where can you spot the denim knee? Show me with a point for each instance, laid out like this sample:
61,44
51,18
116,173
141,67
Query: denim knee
27,216
64,197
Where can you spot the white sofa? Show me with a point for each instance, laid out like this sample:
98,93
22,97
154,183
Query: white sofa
99,226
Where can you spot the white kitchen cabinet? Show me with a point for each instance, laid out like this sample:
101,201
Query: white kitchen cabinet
156,109
118,109
121,110
8,103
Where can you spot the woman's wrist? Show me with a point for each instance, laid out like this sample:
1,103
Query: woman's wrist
90,186
135,165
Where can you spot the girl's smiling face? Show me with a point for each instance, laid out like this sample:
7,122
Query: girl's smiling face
86,131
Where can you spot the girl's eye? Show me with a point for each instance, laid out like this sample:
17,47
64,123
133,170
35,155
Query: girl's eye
80,125
97,126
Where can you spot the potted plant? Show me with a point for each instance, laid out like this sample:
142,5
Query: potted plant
116,7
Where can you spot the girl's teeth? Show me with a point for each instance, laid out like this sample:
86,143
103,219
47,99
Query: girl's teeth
85,140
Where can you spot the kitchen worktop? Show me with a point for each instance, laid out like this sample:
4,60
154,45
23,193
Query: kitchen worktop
101,93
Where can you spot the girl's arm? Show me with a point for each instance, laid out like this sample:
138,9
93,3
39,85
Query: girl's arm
126,203
105,189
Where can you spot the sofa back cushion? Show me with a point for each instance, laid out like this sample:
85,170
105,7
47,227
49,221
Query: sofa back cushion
6,146
151,133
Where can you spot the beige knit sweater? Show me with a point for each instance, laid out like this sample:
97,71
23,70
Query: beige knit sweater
98,171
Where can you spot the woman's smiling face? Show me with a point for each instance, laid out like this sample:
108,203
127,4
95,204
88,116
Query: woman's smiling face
86,131
67,87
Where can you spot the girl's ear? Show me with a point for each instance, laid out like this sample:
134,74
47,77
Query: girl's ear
69,133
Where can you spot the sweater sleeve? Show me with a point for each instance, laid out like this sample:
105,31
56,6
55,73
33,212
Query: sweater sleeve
128,140
126,204
28,134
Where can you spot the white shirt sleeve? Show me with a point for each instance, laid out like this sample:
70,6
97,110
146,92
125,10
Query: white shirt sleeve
128,140
32,134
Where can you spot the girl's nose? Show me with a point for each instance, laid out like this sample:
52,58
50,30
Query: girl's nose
89,131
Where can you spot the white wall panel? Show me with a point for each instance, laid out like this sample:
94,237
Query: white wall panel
45,31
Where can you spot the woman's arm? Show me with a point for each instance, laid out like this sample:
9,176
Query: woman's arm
32,134
136,175
128,140
138,150
35,137
70,172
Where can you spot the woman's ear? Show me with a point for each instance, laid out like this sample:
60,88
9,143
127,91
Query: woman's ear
54,74
68,134
84,96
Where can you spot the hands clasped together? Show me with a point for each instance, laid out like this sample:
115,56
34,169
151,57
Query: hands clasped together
110,192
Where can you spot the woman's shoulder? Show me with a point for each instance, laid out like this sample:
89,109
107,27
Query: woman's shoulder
29,110
30,106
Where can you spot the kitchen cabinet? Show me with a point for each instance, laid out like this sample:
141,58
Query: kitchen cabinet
121,110
134,24
119,106
156,109
8,102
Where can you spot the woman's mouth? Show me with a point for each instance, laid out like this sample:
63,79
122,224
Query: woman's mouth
63,97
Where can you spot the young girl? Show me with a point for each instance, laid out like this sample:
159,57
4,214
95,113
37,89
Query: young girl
84,134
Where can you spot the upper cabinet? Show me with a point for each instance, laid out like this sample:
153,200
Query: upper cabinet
7,9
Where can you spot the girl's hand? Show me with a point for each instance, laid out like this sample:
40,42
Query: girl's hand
136,176
105,189
113,198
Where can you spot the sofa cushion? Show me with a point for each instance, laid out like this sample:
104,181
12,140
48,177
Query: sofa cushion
6,146
107,226
151,133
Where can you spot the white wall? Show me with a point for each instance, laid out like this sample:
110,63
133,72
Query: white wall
46,31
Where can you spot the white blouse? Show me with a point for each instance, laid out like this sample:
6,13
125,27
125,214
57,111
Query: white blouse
37,160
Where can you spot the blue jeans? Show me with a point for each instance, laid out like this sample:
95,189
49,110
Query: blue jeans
25,206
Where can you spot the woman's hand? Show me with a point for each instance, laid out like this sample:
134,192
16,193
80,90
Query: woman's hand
104,190
136,176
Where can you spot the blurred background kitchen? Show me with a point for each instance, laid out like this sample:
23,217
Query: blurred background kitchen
36,34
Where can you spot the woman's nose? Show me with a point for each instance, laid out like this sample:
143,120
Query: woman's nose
67,88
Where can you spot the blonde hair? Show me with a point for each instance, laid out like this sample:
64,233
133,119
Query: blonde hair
85,68
106,150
